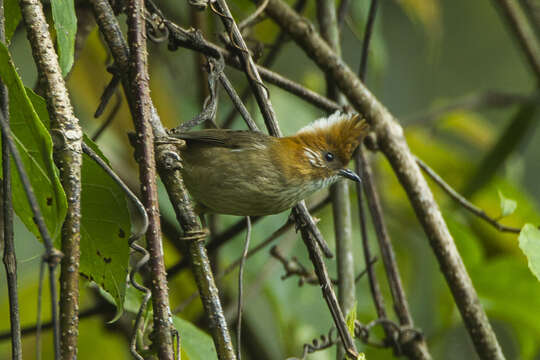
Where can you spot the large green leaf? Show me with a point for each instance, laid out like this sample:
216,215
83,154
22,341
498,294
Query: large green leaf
12,14
529,242
105,229
105,223
35,146
65,23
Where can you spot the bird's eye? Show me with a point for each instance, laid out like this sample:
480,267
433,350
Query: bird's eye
329,156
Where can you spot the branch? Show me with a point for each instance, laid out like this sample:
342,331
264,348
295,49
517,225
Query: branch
142,110
393,144
464,202
68,157
9,258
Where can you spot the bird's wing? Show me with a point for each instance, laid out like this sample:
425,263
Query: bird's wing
223,137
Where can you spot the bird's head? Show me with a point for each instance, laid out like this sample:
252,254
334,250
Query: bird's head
327,146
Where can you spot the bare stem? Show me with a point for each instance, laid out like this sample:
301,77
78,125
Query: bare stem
142,111
9,258
68,158
240,308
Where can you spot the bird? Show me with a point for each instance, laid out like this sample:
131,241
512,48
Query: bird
249,173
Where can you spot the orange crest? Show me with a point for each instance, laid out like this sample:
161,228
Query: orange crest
340,133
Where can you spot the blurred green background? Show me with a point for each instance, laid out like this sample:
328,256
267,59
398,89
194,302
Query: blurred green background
424,55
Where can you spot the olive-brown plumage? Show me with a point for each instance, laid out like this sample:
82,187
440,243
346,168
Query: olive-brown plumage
246,173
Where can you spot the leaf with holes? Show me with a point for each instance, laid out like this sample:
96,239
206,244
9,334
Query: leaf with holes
105,223
105,230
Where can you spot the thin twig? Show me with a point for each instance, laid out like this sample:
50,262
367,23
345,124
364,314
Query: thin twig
108,92
523,31
275,49
240,307
262,96
7,241
237,101
464,202
112,115
253,16
374,287
38,310
343,10
33,329
367,39
142,113
392,142
416,349
293,267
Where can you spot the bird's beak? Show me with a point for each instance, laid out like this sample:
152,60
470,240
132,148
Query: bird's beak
349,174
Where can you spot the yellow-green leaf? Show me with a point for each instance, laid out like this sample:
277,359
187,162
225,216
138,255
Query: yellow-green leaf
508,206
529,242
351,318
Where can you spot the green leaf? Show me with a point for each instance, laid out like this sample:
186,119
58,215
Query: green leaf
105,230
195,344
105,223
351,318
508,206
65,23
27,111
529,242
12,14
